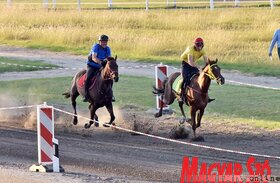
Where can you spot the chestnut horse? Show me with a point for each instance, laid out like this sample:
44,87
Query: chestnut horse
100,94
196,95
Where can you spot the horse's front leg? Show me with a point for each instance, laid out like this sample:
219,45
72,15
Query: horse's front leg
109,107
193,117
96,123
93,109
181,105
199,117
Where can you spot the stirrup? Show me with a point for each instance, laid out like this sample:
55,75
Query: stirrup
85,99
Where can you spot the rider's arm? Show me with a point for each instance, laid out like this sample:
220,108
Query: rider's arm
273,41
95,59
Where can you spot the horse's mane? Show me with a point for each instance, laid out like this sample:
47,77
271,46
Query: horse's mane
110,58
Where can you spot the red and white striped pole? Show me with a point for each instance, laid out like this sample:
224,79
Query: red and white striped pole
47,145
161,72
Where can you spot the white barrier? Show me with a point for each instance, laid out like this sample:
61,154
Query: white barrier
48,157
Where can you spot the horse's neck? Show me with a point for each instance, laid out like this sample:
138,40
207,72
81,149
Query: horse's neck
104,80
104,73
204,82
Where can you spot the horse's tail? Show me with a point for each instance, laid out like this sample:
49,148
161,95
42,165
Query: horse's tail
67,94
159,91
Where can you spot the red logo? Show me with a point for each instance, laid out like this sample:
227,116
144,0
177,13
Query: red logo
255,172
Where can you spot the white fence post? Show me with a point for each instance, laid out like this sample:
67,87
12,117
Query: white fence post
53,4
237,2
147,4
79,5
45,3
110,4
174,3
271,4
9,2
211,4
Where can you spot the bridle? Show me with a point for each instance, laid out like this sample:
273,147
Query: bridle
109,73
210,73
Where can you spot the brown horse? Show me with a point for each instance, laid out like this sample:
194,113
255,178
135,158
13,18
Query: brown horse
100,93
196,95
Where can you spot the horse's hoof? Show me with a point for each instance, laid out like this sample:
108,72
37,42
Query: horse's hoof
157,115
96,124
75,122
198,139
182,121
87,125
188,120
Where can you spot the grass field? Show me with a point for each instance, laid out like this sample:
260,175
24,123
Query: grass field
234,104
234,36
15,65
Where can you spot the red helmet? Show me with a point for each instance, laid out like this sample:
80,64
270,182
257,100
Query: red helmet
198,42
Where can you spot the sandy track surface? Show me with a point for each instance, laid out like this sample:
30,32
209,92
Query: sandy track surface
106,155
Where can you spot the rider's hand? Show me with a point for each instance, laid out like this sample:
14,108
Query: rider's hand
104,62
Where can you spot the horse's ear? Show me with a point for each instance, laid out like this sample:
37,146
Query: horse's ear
216,60
116,58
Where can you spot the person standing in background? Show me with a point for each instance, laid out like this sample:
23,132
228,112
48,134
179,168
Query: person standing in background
276,38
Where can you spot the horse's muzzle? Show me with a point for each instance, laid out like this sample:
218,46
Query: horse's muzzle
221,80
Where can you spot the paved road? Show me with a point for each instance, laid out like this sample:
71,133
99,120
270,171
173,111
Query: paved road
72,63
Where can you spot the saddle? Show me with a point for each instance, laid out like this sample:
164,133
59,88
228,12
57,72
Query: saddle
177,85
82,80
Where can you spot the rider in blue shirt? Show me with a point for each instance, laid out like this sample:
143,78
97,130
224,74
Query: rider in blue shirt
96,59
276,38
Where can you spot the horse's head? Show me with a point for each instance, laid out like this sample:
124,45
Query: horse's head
111,69
213,71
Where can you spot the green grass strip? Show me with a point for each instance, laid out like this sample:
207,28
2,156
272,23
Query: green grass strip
234,104
16,65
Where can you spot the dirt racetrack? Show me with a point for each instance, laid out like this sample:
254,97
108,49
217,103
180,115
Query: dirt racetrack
108,155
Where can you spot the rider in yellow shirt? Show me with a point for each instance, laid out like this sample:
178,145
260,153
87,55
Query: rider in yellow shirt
189,68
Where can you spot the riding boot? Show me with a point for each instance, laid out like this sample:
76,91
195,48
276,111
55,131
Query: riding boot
210,100
183,93
86,97
113,99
